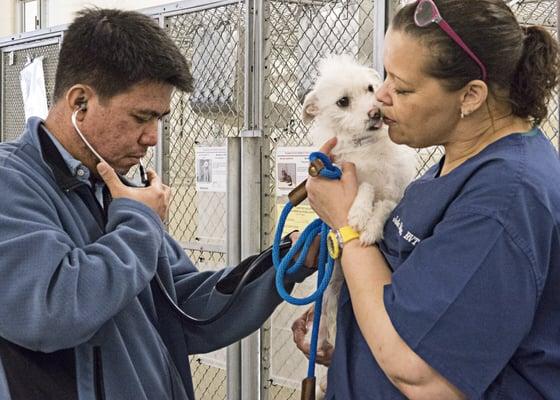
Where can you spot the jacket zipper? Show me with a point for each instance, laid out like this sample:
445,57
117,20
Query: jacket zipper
99,387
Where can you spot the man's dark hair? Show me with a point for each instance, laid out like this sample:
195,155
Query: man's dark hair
112,50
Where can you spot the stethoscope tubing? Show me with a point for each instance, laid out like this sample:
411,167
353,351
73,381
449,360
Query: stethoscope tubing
174,306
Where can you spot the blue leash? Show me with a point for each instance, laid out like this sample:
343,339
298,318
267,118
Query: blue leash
325,262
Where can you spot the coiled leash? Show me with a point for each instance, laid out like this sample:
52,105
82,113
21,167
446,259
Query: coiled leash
320,165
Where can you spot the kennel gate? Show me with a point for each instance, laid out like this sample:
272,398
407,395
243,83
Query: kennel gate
252,62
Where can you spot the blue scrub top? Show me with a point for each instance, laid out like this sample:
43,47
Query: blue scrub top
476,285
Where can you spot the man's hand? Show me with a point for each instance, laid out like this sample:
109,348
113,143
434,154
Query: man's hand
156,195
300,327
312,256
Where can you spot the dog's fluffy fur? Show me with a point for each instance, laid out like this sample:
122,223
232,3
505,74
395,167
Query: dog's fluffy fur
343,104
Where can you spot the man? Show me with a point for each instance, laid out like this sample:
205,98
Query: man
81,316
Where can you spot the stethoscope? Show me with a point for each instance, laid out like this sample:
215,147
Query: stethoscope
267,254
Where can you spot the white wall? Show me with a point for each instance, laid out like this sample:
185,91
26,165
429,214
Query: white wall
7,17
62,11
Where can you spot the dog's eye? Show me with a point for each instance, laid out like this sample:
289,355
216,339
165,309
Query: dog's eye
370,88
343,102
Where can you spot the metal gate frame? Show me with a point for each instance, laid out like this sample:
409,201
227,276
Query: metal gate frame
269,11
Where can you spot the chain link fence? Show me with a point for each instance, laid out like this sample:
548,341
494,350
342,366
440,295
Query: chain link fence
212,40
14,59
543,12
296,34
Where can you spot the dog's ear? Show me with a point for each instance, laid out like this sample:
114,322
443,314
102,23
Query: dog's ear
375,75
310,107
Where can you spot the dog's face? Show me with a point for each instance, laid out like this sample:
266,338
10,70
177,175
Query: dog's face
343,98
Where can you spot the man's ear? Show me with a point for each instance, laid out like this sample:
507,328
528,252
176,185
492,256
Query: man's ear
77,98
473,96
310,107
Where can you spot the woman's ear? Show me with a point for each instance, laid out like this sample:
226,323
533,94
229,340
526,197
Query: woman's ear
473,96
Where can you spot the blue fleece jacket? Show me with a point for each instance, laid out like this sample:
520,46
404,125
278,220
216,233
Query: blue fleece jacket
76,296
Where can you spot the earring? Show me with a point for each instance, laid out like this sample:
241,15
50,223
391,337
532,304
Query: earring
462,114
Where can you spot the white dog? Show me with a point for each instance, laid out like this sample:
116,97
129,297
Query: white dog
343,104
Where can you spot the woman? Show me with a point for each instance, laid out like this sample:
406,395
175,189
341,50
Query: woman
460,299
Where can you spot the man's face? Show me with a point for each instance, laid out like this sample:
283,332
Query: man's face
122,128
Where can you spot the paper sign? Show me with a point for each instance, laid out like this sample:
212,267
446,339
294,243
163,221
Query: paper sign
292,164
298,219
32,80
211,168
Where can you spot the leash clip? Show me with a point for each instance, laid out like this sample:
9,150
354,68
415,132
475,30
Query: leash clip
298,194
315,167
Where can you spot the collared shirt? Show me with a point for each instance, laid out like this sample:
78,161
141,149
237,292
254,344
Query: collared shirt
76,167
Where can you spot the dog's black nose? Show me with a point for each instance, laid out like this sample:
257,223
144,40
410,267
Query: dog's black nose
374,113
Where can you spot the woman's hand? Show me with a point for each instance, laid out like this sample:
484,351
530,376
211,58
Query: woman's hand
331,199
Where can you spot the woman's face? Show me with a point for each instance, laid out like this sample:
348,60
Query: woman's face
418,110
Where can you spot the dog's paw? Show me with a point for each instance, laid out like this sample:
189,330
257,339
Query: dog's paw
357,218
372,233
361,210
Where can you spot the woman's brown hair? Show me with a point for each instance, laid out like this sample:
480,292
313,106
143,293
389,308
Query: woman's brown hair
522,62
